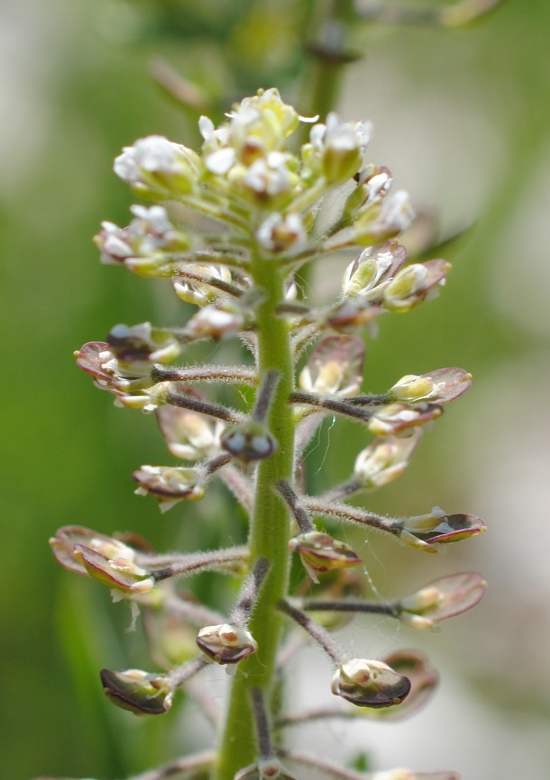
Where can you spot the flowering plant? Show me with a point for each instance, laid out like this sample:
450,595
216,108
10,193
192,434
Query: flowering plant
231,228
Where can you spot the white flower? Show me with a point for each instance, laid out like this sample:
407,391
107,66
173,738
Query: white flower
156,166
282,234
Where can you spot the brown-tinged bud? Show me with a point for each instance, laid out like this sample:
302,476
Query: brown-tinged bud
146,245
142,344
369,684
137,691
226,643
66,538
424,531
169,484
320,553
119,574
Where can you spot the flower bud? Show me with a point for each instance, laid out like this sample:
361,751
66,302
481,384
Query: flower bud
414,283
142,343
119,574
226,643
437,527
369,684
249,441
339,147
320,553
137,691
97,359
385,459
145,246
65,539
157,168
335,367
169,484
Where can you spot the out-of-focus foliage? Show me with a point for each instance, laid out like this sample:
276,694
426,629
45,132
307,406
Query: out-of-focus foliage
465,117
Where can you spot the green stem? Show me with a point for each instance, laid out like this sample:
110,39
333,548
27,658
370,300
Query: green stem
270,530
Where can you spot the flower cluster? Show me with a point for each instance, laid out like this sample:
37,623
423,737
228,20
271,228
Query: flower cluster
230,228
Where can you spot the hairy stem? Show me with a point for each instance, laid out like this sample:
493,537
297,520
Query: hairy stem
270,529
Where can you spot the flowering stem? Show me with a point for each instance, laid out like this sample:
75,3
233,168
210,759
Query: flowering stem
270,527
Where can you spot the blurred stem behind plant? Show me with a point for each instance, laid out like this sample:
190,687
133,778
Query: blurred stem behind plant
232,228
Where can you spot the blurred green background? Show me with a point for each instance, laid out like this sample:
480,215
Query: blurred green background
462,118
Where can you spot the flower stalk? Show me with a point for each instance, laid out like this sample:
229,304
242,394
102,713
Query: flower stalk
242,282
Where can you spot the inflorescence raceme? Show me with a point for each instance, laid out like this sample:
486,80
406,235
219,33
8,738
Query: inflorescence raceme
230,228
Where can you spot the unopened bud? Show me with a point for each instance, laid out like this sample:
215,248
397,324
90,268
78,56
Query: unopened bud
370,684
137,691
169,484
226,643
320,553
439,528
119,574
157,168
